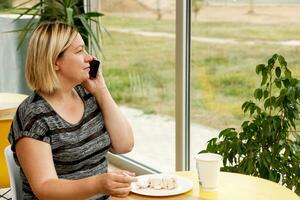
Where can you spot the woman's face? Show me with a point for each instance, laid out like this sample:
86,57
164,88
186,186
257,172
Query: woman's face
73,65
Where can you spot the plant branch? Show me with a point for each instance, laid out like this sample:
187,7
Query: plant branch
270,89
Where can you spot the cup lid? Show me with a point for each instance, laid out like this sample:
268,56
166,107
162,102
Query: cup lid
208,157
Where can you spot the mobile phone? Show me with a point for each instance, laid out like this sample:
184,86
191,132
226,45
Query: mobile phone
94,66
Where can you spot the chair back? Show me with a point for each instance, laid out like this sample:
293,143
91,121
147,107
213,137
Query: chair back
14,175
4,130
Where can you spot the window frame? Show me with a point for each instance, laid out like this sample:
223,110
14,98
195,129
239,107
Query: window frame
182,90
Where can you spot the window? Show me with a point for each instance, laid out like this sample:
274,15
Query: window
229,38
139,67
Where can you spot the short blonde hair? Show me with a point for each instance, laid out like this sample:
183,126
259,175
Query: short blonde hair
47,43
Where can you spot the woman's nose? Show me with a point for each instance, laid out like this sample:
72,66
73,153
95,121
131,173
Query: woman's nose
88,58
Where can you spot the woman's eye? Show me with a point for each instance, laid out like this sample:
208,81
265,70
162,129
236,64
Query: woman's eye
79,51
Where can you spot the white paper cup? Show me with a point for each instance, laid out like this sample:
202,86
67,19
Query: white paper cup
208,168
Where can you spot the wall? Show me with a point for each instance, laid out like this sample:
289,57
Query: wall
12,61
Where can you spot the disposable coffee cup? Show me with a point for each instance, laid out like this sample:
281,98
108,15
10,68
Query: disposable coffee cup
208,169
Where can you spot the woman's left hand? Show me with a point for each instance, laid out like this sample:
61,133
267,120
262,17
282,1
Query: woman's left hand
96,84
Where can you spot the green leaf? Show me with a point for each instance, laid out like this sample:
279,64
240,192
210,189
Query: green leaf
282,61
252,108
258,93
70,12
266,93
25,31
228,133
274,57
258,110
264,161
272,175
278,72
29,10
93,14
266,128
294,82
277,82
264,76
246,106
271,62
212,145
291,93
239,148
276,121
245,124
267,103
286,154
250,166
272,100
286,82
259,68
288,74
91,33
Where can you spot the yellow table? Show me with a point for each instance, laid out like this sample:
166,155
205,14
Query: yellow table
9,103
232,187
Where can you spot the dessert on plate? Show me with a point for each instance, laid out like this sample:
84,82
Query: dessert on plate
158,182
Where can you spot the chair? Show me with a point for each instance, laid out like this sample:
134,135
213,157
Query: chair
14,174
4,129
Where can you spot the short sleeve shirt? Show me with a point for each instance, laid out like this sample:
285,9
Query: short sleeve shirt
79,150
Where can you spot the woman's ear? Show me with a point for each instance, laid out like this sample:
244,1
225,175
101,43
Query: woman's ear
57,65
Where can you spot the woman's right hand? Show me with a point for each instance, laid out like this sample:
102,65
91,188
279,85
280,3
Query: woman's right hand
116,183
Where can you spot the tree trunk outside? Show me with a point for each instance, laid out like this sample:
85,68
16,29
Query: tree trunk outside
251,7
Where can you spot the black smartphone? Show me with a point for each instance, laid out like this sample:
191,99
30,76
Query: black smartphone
94,66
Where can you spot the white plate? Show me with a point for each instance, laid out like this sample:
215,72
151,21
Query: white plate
183,185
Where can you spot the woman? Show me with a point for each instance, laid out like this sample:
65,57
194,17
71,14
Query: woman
62,132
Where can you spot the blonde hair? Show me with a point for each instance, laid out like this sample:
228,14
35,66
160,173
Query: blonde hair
47,43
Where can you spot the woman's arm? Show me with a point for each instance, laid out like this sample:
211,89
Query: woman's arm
116,123
120,131
36,160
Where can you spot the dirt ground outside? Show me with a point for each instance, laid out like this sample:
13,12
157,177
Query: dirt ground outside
263,14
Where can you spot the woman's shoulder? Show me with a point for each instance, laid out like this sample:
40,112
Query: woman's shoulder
32,106
32,101
29,120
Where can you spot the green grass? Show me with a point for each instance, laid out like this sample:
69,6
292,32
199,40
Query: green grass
223,77
140,72
246,31
239,31
141,24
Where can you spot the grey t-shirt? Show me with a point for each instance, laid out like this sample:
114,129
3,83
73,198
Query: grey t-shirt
78,150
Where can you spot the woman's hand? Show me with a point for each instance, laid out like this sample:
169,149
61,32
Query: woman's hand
116,183
96,84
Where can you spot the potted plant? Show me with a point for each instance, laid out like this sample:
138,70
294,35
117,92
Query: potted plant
69,11
268,144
